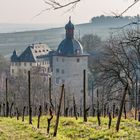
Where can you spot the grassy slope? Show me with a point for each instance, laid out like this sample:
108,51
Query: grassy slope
69,129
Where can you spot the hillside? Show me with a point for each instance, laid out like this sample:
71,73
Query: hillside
69,129
20,40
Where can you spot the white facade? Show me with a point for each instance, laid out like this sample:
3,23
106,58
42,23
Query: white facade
22,64
68,70
17,68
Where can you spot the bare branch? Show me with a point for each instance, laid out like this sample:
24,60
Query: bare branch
56,5
136,1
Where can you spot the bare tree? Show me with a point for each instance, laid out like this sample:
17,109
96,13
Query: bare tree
59,4
71,4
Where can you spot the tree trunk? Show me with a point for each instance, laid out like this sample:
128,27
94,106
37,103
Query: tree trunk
125,111
110,120
66,111
121,108
0,109
11,109
114,110
136,104
23,113
97,102
49,120
39,115
93,110
139,117
17,112
4,109
74,108
98,117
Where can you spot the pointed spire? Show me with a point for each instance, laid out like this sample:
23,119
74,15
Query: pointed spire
69,29
14,56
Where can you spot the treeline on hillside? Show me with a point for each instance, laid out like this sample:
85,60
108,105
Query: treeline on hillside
112,20
4,72
3,64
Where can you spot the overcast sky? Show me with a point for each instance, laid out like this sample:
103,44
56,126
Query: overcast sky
23,11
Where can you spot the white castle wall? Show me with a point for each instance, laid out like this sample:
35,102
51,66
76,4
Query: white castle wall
17,68
69,70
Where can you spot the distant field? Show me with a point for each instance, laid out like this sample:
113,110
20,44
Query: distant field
69,129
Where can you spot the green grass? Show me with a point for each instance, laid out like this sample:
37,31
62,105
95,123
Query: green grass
69,129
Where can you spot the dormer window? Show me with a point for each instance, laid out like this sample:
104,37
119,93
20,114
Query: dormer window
62,71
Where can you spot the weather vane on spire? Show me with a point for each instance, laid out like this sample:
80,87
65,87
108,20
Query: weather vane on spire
69,18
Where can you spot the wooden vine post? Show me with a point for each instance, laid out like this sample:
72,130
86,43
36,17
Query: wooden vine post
93,110
64,103
29,98
84,96
50,98
6,98
58,112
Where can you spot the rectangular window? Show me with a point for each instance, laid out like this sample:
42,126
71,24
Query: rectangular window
24,70
24,63
62,71
78,60
12,70
62,59
19,70
30,64
63,81
57,70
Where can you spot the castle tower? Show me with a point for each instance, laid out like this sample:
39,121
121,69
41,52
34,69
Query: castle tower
69,62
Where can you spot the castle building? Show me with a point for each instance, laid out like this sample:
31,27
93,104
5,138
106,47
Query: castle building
65,65
69,62
35,56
